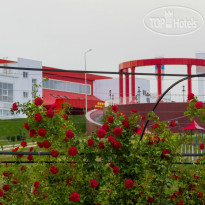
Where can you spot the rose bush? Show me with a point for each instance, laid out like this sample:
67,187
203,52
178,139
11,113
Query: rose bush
109,167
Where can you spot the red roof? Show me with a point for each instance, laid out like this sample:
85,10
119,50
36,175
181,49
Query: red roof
193,126
73,75
75,97
3,61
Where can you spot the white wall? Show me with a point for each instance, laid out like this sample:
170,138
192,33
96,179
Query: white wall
101,88
20,84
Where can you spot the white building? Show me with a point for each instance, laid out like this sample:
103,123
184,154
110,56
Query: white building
17,85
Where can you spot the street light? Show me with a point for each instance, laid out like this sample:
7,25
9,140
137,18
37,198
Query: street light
86,106
139,93
183,90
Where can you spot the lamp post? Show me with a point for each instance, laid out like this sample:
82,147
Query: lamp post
86,105
139,93
183,90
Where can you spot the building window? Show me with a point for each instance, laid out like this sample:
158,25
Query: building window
25,74
5,113
66,97
144,92
34,89
60,96
25,94
6,92
53,95
67,86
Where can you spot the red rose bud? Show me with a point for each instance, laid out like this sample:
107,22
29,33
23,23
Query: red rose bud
30,157
172,123
115,170
15,181
74,197
110,119
93,183
101,133
156,125
1,193
202,146
23,143
14,106
50,113
114,108
190,96
201,195
26,126
38,101
199,105
54,170
31,149
129,184
69,180
42,132
36,184
151,200
35,192
40,144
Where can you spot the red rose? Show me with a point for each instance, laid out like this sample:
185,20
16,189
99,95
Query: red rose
50,113
151,200
38,101
190,96
134,111
15,149
106,127
116,145
20,155
143,117
46,144
74,197
36,184
72,151
172,123
150,166
6,187
40,144
35,192
157,139
93,183
69,180
32,133
26,126
198,160
5,174
202,146
156,125
196,176
42,132
23,143
110,119
117,131
54,170
165,153
111,139
114,108
111,165
180,202
30,157
115,170
101,133
23,168
125,123
163,140
101,145
129,184
69,134
15,181
1,193
38,117
53,106
90,142
31,148
14,106
199,105
200,194
54,153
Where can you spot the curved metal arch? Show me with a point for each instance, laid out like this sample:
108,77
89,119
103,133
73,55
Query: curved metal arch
165,92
